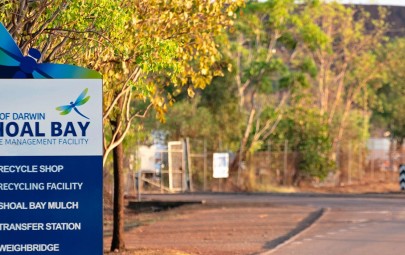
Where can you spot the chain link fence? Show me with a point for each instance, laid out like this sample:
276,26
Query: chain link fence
355,163
364,163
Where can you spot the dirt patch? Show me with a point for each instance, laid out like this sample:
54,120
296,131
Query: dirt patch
213,229
221,229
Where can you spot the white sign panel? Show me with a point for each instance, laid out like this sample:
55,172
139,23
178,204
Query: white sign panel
221,165
42,118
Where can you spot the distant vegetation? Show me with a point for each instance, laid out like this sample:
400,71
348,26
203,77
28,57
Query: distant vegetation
240,74
318,75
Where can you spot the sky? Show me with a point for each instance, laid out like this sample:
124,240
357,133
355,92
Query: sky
369,2
375,2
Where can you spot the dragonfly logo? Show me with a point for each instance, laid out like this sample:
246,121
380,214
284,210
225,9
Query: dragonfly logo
81,100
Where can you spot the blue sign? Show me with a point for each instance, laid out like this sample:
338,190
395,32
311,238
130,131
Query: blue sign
51,166
50,155
51,204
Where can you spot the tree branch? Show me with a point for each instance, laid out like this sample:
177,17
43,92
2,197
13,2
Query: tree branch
134,76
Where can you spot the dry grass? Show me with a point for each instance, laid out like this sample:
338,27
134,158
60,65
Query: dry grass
370,187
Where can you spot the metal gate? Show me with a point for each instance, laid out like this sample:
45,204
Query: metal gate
177,173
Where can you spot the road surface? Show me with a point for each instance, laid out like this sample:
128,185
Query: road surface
352,224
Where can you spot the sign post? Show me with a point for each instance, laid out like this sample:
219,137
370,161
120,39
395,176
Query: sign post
402,176
51,166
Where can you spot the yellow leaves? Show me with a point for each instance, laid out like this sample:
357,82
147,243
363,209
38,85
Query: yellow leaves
111,72
151,89
159,101
218,72
118,76
229,67
190,92
189,4
183,80
172,42
134,21
124,67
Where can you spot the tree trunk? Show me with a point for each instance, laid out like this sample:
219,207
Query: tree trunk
118,230
118,210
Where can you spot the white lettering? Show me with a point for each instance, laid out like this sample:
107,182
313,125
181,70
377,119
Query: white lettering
54,247
63,205
21,226
18,169
71,226
50,168
37,205
22,186
13,206
64,186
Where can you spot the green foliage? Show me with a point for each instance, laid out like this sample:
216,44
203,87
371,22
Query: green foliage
266,50
301,72
388,113
185,119
305,129
213,114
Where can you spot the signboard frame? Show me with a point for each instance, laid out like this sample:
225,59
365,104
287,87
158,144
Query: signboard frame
51,177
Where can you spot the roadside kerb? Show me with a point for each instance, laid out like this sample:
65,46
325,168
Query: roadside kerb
302,228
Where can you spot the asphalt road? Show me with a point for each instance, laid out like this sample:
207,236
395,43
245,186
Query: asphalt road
349,233
352,224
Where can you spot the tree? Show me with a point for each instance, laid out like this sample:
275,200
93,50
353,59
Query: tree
78,32
150,47
346,63
269,68
388,113
187,119
322,52
171,46
307,133
212,114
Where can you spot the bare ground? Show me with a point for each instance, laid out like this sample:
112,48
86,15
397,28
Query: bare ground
217,230
221,229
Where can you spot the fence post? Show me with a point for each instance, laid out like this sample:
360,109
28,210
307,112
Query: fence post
338,163
372,159
268,151
285,161
190,172
360,165
205,165
349,164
